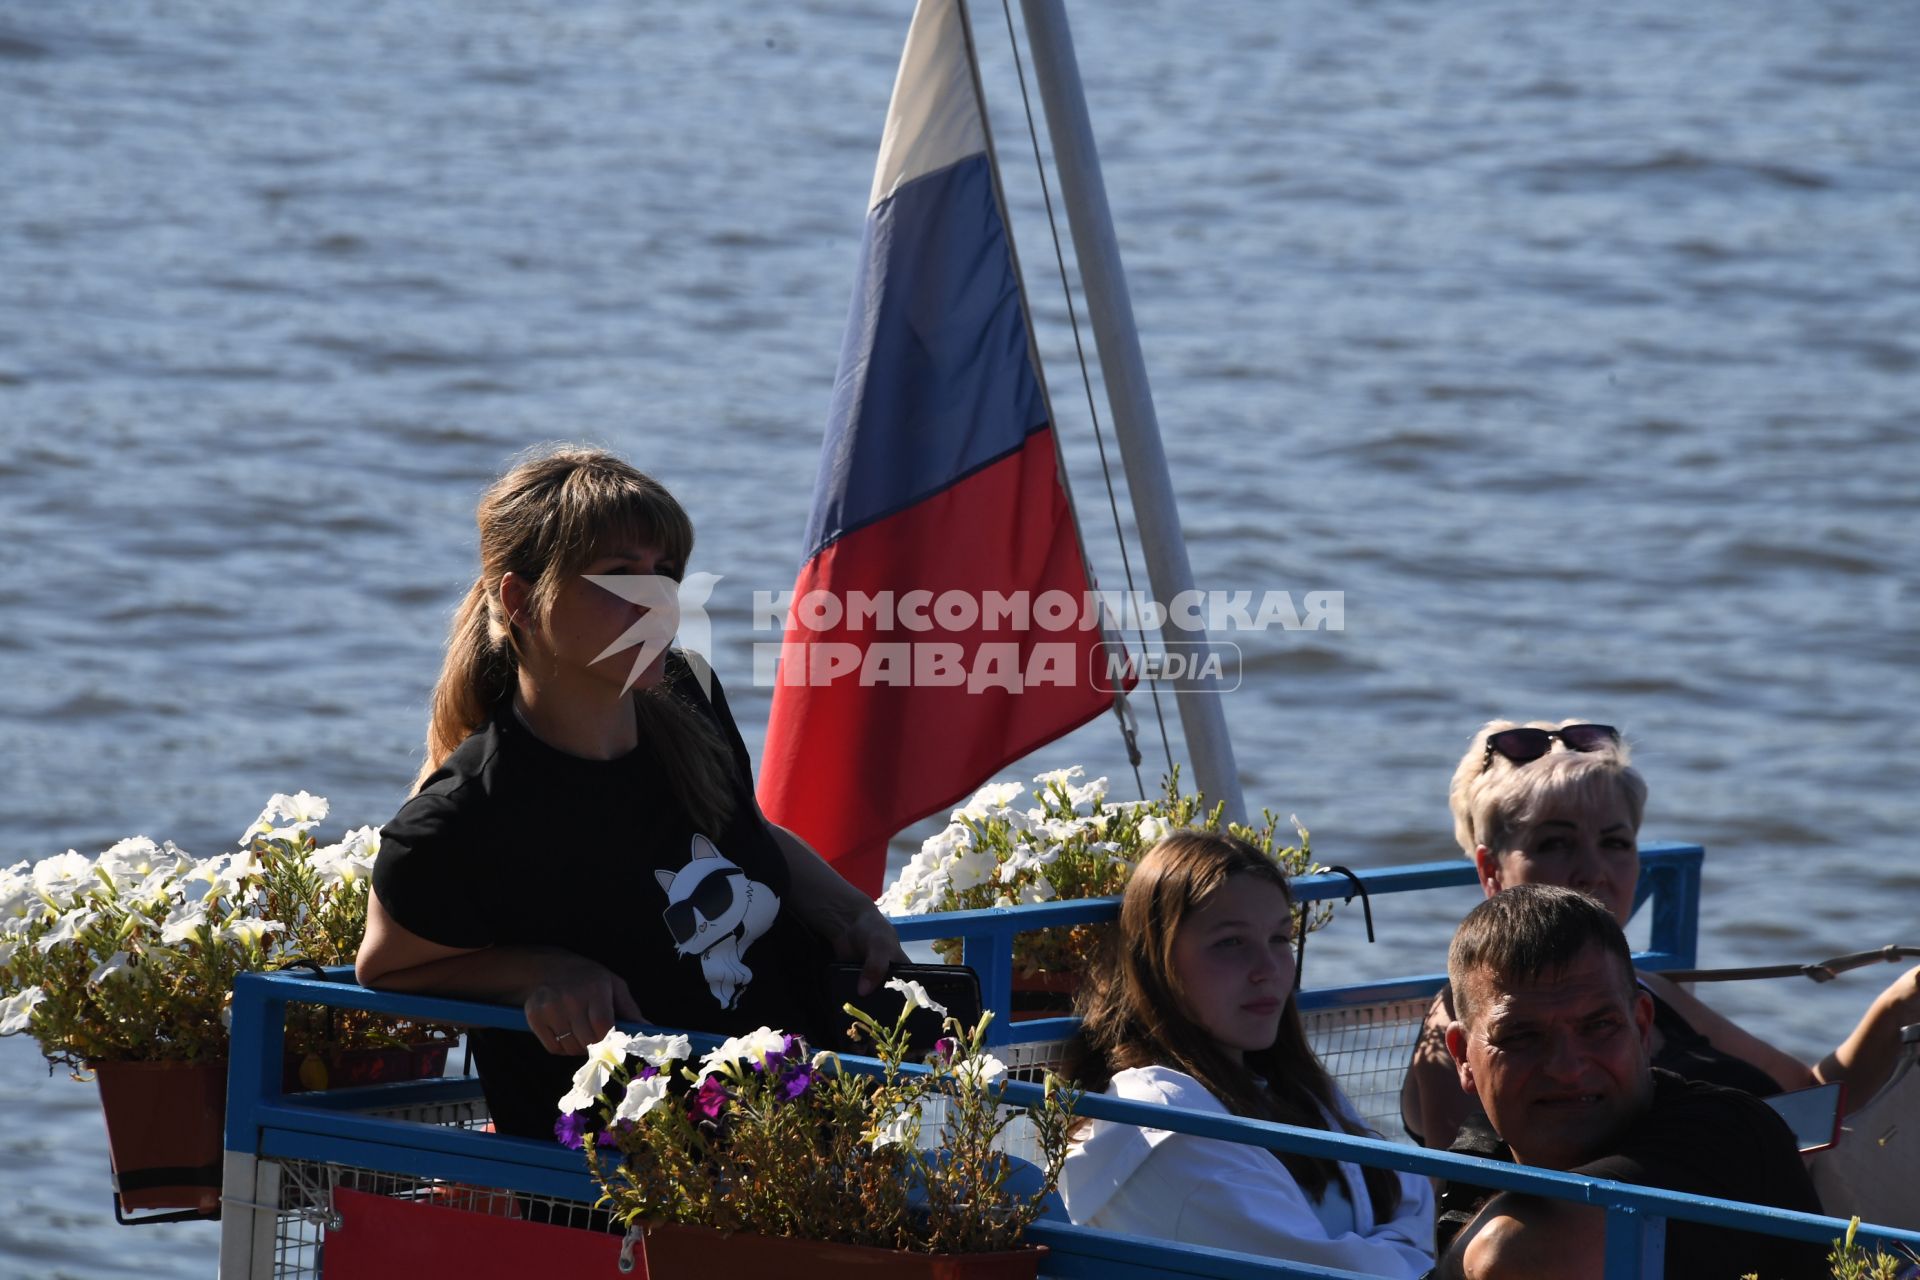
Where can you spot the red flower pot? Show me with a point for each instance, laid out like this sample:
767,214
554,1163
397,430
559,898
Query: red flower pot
164,1129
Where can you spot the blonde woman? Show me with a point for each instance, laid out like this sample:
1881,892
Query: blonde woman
1560,804
583,840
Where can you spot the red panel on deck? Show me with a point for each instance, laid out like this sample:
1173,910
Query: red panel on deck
384,1239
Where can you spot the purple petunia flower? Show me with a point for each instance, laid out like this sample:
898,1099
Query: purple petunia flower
571,1128
795,1081
648,1071
945,1047
710,1099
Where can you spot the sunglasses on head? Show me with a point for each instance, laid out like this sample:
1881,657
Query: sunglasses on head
1523,746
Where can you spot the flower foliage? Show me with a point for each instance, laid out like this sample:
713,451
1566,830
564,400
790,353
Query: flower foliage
1071,843
131,955
763,1136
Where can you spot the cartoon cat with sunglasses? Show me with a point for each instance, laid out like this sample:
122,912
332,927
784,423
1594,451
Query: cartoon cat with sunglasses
715,912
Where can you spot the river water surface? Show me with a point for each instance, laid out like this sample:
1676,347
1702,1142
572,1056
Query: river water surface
1579,348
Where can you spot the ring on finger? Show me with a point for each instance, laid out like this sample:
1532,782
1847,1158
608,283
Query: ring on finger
563,1035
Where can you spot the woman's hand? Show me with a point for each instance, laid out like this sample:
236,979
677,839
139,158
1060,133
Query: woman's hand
576,1002
870,942
570,1001
836,910
1867,1057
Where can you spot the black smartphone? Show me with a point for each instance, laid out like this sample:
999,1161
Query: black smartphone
1812,1113
956,987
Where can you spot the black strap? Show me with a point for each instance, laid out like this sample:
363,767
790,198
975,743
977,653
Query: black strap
1300,943
204,1175
1366,903
198,1175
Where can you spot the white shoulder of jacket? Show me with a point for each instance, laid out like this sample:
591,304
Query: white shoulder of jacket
1235,1196
1101,1162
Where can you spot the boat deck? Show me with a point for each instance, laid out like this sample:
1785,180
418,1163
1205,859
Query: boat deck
288,1157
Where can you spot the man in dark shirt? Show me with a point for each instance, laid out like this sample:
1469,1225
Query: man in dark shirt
1553,1039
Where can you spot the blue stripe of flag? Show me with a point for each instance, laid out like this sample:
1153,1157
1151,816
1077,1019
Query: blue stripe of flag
935,375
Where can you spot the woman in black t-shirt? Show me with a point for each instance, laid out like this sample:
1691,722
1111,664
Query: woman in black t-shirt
583,840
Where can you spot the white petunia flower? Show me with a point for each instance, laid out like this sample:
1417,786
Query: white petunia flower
7,947
981,1069
1154,829
955,838
16,892
1026,858
604,1056
1061,776
1095,790
301,811
247,931
917,994
115,963
972,868
58,875
15,1010
991,799
661,1051
352,859
68,929
904,1127
1036,891
130,858
184,923
207,871
1060,830
755,1047
642,1097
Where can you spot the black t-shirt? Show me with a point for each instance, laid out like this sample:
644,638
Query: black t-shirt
1705,1140
512,842
1686,1051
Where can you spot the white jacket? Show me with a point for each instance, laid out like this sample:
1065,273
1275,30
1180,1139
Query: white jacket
1174,1186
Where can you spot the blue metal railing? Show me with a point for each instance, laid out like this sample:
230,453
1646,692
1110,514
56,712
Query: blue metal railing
263,1122
1669,881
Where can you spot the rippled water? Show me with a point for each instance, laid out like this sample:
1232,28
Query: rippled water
1577,348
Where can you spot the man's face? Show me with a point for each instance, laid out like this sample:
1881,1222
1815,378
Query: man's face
1559,1064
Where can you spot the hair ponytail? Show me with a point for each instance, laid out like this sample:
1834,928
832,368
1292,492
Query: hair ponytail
478,671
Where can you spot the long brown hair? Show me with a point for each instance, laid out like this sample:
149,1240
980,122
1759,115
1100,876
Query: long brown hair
546,520
1133,1012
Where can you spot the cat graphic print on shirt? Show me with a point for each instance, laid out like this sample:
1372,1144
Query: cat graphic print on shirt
715,912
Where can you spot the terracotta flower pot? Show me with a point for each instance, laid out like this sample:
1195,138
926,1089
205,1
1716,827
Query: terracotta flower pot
684,1253
164,1130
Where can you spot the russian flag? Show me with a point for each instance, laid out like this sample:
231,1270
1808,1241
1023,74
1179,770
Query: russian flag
939,483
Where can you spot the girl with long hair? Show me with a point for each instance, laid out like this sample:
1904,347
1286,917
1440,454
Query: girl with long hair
583,840
1195,1008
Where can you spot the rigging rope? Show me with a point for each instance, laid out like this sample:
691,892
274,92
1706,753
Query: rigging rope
1824,971
1122,710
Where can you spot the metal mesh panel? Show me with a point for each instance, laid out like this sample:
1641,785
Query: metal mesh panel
1366,1048
306,1193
